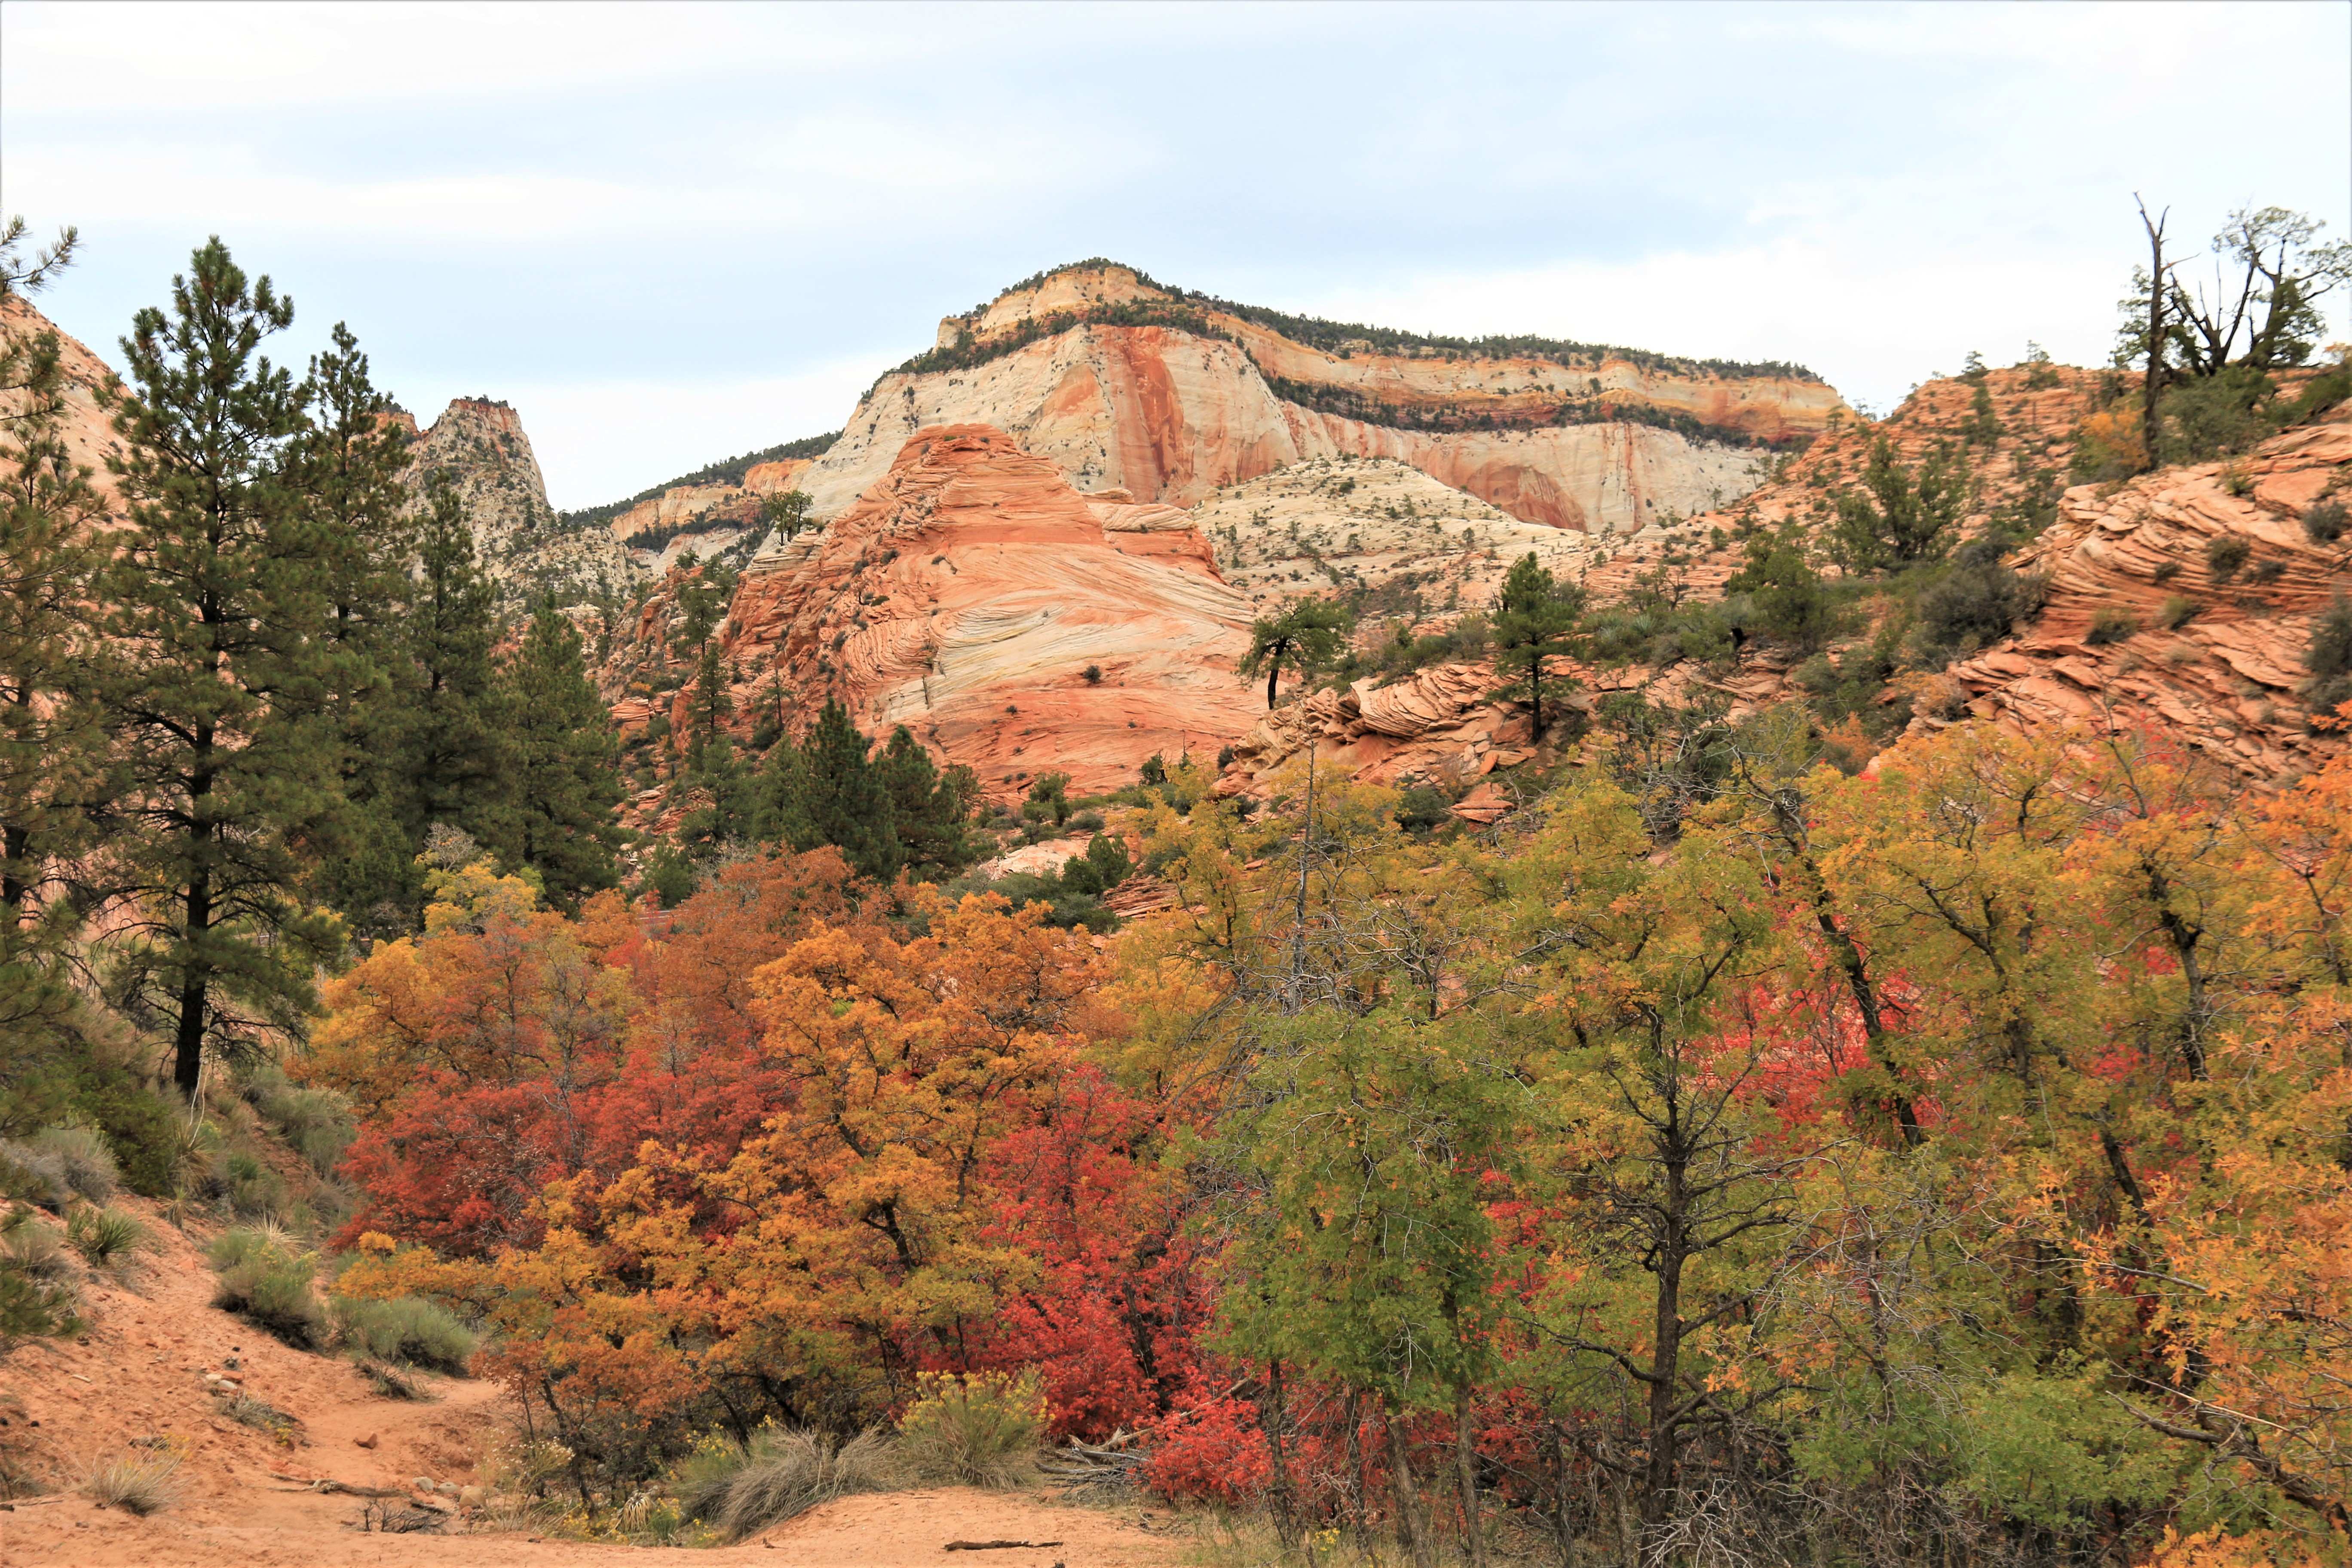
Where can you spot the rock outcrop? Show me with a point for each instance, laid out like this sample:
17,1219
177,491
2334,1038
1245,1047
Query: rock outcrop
2143,627
705,519
1408,547
479,446
88,430
1128,386
1010,621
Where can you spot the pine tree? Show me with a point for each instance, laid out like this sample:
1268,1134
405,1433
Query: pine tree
215,683
564,778
1308,636
1535,617
453,758
352,461
929,808
824,791
51,748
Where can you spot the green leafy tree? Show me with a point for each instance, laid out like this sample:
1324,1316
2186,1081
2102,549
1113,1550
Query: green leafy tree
1535,618
1900,518
564,780
1049,799
825,791
1309,637
215,683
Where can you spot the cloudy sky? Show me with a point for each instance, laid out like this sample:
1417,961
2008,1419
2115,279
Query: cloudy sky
671,233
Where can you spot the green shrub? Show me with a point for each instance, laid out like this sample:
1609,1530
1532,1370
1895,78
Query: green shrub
781,1475
33,1308
107,1238
2328,657
2111,625
2212,417
1973,603
314,1120
251,1188
82,1159
408,1329
2323,523
2176,613
2225,553
32,1176
35,1252
265,1281
979,1429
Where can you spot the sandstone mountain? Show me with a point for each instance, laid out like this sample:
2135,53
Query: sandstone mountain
1170,397
2181,600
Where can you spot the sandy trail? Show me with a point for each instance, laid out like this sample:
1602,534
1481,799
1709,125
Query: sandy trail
137,1376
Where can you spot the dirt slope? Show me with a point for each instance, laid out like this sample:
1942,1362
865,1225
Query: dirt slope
139,1376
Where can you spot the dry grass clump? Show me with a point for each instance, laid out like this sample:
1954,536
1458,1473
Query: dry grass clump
136,1483
780,1476
979,1429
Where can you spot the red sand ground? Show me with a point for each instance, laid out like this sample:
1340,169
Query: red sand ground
139,1373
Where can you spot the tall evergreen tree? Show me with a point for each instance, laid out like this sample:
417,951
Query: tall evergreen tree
564,778
824,791
351,466
929,810
1535,617
455,728
215,683
51,748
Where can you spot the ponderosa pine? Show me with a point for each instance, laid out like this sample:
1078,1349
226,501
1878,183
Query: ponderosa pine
215,681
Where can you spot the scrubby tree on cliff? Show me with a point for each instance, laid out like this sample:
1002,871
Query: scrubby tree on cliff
787,513
564,780
1308,636
1535,617
1901,517
216,681
50,745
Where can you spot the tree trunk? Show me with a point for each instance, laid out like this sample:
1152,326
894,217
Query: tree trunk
1465,1475
2153,385
1275,1416
1411,1540
188,1043
1351,1492
1665,1431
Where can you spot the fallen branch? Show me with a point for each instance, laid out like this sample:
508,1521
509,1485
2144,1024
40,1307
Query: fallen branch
325,1486
995,1545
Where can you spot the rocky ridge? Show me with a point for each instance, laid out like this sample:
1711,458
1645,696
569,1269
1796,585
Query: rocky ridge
1170,400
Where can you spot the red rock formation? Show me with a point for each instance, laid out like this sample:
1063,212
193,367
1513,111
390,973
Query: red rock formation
2224,681
967,593
1173,412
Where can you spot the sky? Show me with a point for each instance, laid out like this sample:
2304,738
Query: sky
671,233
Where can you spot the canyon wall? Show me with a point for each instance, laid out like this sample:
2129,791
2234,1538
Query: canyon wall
1010,621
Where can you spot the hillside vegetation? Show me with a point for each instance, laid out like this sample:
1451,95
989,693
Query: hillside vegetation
1724,1096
